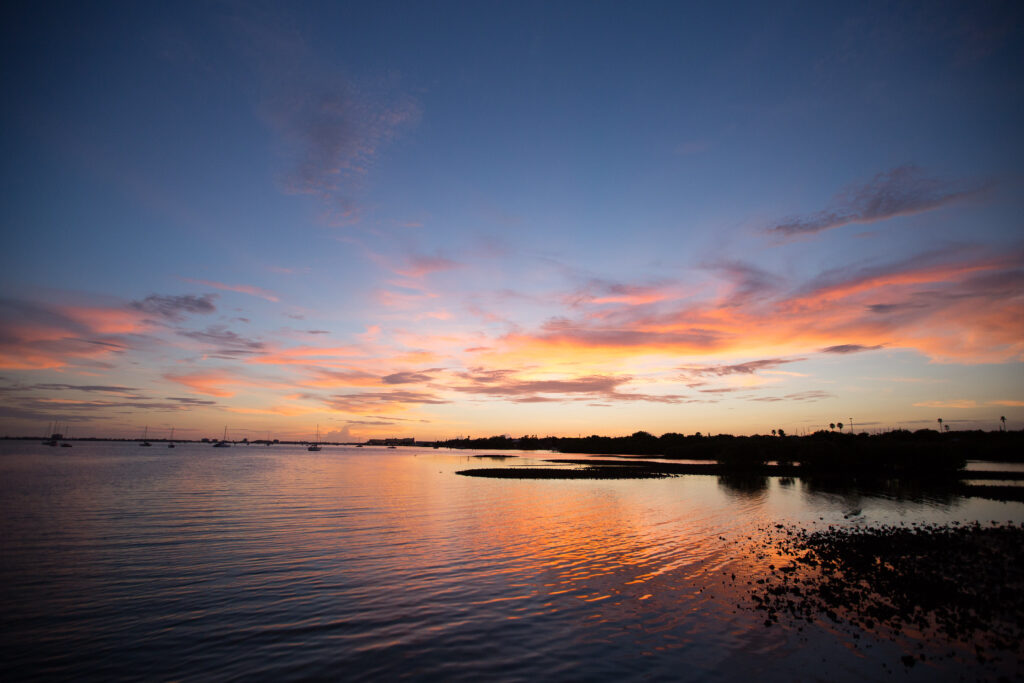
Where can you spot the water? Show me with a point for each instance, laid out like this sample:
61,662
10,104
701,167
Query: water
121,562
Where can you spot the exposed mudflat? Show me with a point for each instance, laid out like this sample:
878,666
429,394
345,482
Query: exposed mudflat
599,472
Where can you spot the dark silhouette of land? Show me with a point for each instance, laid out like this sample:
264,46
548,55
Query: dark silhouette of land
823,459
829,449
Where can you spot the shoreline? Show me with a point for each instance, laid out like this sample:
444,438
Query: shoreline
944,482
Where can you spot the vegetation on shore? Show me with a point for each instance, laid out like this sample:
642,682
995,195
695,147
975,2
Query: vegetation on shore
925,452
926,461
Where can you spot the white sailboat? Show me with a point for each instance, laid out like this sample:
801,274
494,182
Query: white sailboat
223,443
316,444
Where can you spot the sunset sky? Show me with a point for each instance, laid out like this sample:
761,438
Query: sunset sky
437,219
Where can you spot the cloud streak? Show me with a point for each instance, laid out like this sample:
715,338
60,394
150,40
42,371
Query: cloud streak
902,191
505,384
241,289
175,308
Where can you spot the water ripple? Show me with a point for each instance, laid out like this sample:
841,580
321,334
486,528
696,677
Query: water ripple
275,563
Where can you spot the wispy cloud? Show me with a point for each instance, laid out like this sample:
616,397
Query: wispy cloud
89,388
798,397
599,292
328,379
330,125
507,384
39,336
409,377
241,289
332,130
380,400
850,348
228,344
747,368
209,382
188,401
902,191
954,404
175,307
418,265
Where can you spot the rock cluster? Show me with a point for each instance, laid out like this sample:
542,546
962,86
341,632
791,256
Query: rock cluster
957,586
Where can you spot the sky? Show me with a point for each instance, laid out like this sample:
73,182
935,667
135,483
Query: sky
464,219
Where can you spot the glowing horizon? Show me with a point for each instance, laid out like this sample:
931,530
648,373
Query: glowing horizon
551,220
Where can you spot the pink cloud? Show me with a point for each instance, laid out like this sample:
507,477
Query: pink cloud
241,289
40,336
420,265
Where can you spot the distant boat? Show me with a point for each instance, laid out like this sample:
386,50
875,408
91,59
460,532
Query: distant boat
145,432
171,444
316,444
52,430
223,443
392,446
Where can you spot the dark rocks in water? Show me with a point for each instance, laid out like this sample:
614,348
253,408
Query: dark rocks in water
955,584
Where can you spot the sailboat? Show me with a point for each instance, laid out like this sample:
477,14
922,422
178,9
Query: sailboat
145,432
222,443
171,442
316,445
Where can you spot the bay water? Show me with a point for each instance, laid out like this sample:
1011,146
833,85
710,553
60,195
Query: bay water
121,562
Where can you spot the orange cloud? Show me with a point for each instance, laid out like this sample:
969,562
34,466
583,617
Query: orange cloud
969,311
108,320
37,336
209,383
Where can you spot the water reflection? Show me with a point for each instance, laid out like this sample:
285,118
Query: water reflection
925,492
275,562
743,484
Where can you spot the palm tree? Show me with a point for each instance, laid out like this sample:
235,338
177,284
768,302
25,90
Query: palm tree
840,425
773,432
1002,418
940,424
832,426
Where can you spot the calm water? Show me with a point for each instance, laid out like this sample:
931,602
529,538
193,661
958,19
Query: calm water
121,562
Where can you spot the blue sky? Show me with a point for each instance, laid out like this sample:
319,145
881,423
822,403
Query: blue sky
271,215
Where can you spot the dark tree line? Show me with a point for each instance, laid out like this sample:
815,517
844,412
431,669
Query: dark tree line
900,451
